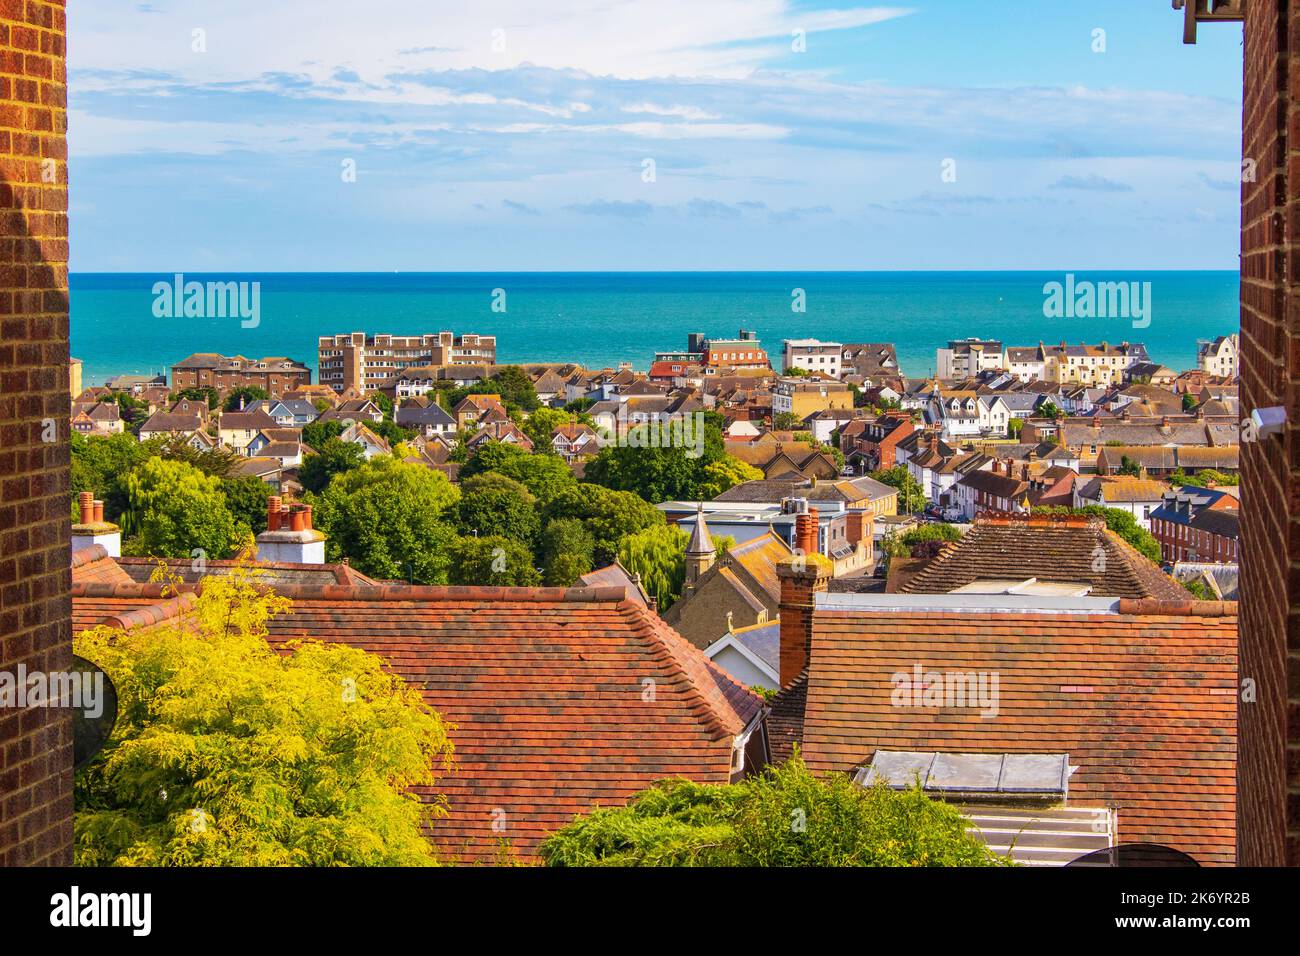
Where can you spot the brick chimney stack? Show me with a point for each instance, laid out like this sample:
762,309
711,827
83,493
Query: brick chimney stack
92,529
801,577
805,532
289,537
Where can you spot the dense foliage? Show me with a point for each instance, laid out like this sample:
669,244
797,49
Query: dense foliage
785,816
174,510
1118,521
911,496
226,753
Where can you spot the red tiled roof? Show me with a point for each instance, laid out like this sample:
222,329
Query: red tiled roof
561,700
1143,701
94,564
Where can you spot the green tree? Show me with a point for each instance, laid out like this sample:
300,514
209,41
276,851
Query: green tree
723,475
911,496
837,823
656,467
1048,410
1014,427
209,395
243,396
101,463
229,753
1189,401
492,561
492,504
246,497
217,462
543,475
333,457
934,531
786,422
608,515
316,434
1127,466
390,519
173,509
567,551
541,425
658,554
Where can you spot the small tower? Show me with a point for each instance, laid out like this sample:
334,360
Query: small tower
700,552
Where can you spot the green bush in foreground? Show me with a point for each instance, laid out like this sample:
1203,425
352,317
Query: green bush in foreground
783,817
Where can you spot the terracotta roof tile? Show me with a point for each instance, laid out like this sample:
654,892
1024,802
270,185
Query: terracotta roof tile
1143,701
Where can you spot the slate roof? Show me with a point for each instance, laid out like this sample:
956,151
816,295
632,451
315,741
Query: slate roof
1051,548
1142,699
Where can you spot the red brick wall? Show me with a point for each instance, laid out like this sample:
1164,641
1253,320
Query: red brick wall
35,628
1268,805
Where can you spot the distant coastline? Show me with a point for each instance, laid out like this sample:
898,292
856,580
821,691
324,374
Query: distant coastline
599,319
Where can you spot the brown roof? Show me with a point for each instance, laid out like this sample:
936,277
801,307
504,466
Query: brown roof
545,689
94,564
1141,699
1067,549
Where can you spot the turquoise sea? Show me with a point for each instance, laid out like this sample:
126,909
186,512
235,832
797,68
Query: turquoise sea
600,319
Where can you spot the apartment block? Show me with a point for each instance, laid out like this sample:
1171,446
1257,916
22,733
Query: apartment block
1219,357
369,362
275,375
813,355
964,358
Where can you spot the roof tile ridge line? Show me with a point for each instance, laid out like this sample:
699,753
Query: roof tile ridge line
88,555
1155,607
131,589
645,627
153,613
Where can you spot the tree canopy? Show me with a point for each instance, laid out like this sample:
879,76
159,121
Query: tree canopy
389,518
784,816
174,510
911,496
227,753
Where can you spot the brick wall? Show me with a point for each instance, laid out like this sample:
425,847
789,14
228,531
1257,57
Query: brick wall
35,628
1267,824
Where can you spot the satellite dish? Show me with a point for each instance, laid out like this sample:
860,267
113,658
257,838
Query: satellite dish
89,734
1136,854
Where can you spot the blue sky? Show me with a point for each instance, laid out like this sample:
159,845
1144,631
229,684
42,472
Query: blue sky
515,135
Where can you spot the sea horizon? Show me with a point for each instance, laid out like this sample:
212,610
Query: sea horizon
602,318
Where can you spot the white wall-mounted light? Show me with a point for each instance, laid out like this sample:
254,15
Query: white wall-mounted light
1269,421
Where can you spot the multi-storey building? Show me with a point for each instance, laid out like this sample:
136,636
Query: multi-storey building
813,355
801,397
1103,364
744,351
1218,357
1197,524
369,362
966,358
275,375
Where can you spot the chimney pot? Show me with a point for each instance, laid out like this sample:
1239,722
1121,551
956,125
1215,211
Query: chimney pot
99,512
87,500
297,520
273,513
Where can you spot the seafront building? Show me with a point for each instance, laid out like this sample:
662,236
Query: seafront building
370,362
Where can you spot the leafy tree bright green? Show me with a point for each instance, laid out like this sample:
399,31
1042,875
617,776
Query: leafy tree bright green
243,396
664,473
543,475
333,457
723,475
101,463
567,552
911,496
608,515
246,497
492,561
390,518
784,816
316,434
174,509
658,555
786,422
492,504
227,753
